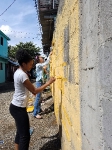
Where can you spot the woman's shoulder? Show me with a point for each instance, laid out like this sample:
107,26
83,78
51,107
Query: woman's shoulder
20,73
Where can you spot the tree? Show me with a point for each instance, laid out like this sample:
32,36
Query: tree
28,46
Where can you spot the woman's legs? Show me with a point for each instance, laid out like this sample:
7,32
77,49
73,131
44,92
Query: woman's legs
37,101
22,138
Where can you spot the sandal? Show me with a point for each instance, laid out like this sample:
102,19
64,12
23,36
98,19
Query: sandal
38,116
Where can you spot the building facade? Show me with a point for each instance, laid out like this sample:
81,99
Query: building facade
3,56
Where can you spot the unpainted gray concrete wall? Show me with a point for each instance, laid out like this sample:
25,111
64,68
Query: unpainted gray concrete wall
96,74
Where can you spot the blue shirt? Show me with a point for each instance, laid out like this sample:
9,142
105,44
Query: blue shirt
39,69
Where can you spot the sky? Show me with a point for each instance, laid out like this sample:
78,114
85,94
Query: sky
20,22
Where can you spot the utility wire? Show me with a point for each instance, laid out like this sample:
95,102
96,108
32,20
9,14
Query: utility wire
21,37
7,8
20,32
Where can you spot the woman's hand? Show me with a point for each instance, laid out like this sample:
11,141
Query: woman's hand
51,80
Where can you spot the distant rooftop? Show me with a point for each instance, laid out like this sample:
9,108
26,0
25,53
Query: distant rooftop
1,33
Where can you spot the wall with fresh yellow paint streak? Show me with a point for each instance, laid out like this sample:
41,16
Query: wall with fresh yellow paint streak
82,65
65,68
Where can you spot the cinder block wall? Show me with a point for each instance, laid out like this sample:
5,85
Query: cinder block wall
65,67
82,65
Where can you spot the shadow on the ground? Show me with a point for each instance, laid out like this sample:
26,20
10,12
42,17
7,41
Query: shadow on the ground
54,144
50,137
46,90
48,98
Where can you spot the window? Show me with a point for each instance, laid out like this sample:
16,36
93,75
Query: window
1,66
1,40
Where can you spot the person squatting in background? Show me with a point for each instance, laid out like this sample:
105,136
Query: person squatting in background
18,104
39,76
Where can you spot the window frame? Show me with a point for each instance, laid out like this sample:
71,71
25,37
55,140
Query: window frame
1,66
1,40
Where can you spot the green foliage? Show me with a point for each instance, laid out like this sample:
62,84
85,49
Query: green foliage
28,46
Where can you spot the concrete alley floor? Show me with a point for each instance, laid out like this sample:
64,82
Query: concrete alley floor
45,134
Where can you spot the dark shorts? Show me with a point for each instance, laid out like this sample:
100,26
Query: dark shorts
22,124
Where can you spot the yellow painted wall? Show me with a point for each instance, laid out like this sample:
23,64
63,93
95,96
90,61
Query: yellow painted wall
65,68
